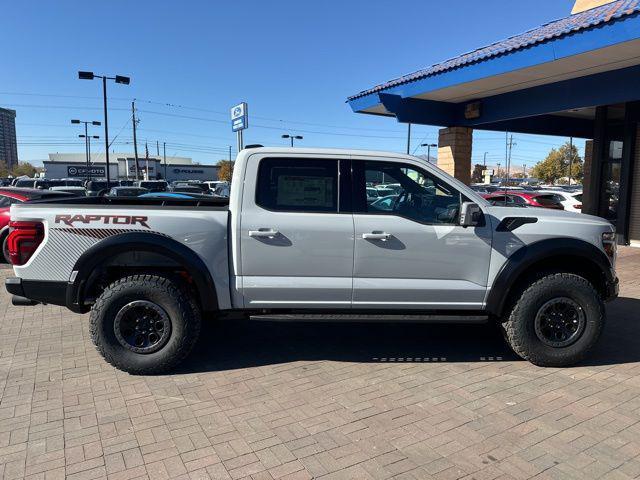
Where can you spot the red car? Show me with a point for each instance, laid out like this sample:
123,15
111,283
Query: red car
9,196
516,198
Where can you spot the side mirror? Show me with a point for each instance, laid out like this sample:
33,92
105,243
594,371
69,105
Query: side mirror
470,214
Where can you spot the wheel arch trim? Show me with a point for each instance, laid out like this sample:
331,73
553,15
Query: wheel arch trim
520,262
149,242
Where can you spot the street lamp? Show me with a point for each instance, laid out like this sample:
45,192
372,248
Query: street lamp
118,79
292,137
87,141
428,145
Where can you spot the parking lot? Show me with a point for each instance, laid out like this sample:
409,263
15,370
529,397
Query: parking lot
275,400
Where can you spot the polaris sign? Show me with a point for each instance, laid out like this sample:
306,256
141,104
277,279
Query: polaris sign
84,172
187,170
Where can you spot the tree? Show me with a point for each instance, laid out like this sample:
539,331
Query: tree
23,168
555,168
226,170
476,175
4,171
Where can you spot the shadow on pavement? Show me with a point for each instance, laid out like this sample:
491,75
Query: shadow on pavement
232,345
620,342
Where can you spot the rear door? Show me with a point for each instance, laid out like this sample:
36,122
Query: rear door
296,232
413,254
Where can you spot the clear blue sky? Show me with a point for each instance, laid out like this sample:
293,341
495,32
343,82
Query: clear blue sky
294,63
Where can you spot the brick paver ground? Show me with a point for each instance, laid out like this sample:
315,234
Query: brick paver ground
294,401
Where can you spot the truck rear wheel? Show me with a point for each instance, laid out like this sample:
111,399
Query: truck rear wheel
556,321
144,324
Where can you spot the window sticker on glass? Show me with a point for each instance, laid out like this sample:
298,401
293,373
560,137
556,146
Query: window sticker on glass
305,191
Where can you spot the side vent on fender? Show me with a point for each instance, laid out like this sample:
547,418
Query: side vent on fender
509,224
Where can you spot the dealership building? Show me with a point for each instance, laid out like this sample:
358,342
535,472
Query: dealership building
122,166
578,76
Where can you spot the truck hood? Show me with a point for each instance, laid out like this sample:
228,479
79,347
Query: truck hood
547,215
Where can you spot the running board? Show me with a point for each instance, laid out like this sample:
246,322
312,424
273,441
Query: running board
352,317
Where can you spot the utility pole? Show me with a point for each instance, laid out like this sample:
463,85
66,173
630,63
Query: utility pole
524,170
164,154
408,139
484,162
157,148
510,148
229,152
135,141
87,150
570,157
146,156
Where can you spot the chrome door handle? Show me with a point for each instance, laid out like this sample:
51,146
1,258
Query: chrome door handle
263,232
376,236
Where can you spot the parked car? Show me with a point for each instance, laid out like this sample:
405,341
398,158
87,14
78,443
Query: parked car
176,195
127,183
185,188
76,191
213,184
298,240
384,203
571,200
222,191
372,194
65,182
18,195
97,188
153,185
126,191
37,183
513,198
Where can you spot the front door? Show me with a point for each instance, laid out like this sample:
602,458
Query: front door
296,244
410,251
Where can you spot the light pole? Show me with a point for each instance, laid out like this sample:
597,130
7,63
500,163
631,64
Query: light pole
428,145
118,79
87,141
484,161
292,137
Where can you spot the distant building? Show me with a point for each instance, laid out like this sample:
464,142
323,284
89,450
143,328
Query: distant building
122,166
8,144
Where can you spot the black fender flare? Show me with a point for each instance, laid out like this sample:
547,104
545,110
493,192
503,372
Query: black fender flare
151,242
527,256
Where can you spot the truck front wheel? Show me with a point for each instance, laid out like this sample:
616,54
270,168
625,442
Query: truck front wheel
556,321
144,324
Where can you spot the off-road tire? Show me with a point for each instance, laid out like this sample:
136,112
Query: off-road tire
177,302
519,327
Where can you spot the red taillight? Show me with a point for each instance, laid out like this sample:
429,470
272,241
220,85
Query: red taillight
24,238
578,206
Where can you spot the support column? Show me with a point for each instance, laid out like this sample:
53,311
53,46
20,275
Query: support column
586,181
454,152
634,204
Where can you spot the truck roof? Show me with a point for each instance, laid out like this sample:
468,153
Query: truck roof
326,151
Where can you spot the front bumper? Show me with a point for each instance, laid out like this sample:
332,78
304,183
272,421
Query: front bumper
612,289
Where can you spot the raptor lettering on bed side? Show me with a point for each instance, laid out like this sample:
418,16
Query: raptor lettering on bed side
71,220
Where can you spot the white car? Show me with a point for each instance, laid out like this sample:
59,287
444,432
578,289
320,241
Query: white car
571,201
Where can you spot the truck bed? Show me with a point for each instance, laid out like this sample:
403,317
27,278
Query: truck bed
213,202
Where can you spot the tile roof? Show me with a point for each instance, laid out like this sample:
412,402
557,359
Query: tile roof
550,31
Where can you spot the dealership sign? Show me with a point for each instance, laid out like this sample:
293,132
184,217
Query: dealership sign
239,117
187,170
84,172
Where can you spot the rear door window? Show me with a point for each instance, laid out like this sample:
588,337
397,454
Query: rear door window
298,185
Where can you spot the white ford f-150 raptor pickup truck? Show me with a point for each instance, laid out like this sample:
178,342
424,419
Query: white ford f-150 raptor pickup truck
299,238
